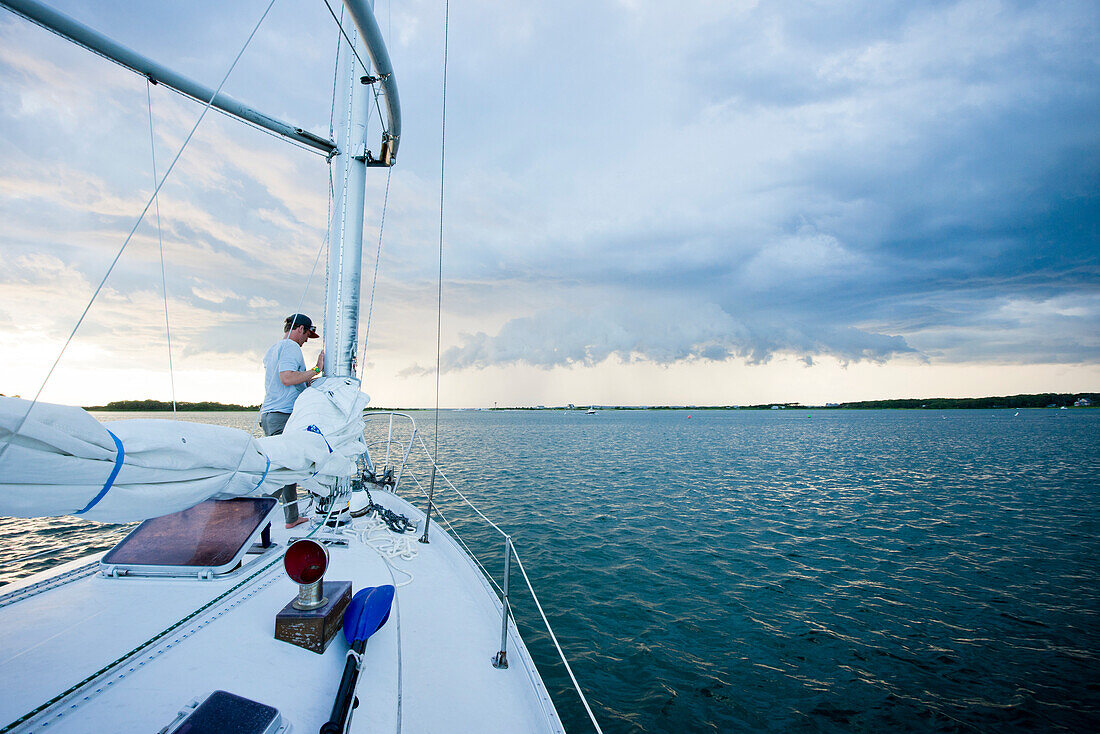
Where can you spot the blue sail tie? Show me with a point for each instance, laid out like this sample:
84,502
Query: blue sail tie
262,478
119,456
315,429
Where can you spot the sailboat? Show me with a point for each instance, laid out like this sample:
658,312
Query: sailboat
210,616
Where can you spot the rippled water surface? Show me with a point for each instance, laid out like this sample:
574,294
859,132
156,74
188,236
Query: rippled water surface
782,570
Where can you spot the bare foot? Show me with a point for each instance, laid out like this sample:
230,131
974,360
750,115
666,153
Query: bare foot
296,523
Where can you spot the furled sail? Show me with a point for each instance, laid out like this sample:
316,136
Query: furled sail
63,461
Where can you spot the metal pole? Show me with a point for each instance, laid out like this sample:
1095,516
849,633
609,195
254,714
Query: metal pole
362,14
389,442
428,514
97,43
345,261
405,458
500,660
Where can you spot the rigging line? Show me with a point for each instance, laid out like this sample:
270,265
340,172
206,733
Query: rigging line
457,491
442,179
335,78
328,247
133,229
378,108
554,639
305,291
160,245
316,260
254,126
366,67
374,280
328,215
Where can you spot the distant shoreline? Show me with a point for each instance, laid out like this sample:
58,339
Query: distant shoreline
151,406
1037,400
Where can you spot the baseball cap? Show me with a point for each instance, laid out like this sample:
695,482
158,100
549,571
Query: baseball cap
300,319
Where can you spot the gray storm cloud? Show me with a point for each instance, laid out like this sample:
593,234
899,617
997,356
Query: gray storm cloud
662,334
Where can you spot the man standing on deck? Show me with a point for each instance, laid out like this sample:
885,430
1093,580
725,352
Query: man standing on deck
286,377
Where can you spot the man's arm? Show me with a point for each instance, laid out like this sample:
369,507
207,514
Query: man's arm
292,377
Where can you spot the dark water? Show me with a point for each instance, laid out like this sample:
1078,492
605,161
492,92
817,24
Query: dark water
824,571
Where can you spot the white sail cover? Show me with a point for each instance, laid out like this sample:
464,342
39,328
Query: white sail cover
62,458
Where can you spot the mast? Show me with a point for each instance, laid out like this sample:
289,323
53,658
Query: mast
349,166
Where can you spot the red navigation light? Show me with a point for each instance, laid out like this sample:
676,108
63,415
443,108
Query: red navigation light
305,561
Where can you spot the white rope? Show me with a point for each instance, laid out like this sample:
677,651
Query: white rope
395,614
378,109
453,531
366,67
160,245
374,280
133,229
358,658
452,486
519,563
258,128
439,296
371,529
469,552
308,498
576,685
335,78
340,25
367,531
309,280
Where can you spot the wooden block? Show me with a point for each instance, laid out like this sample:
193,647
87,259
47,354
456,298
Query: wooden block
314,629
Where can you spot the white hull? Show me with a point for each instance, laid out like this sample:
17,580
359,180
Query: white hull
427,670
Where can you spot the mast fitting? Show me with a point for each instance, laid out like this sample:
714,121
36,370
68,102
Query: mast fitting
385,157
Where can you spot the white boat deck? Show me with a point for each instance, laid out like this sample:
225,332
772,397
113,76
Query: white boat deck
427,670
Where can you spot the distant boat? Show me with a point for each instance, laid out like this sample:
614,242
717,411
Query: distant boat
590,411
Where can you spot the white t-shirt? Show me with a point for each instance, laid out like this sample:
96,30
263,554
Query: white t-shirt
284,355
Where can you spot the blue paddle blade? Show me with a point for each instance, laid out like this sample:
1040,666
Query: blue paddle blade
368,611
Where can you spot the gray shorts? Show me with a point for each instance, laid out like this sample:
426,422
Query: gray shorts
273,424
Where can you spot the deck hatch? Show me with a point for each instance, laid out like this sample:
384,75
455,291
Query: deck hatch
206,540
223,712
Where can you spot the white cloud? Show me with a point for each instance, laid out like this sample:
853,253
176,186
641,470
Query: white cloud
213,295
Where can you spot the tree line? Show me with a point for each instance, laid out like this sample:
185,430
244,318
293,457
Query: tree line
155,405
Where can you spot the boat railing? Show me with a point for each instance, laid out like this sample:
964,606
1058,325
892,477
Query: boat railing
406,445
396,424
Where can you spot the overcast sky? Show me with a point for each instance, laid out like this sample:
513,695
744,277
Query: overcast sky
646,202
